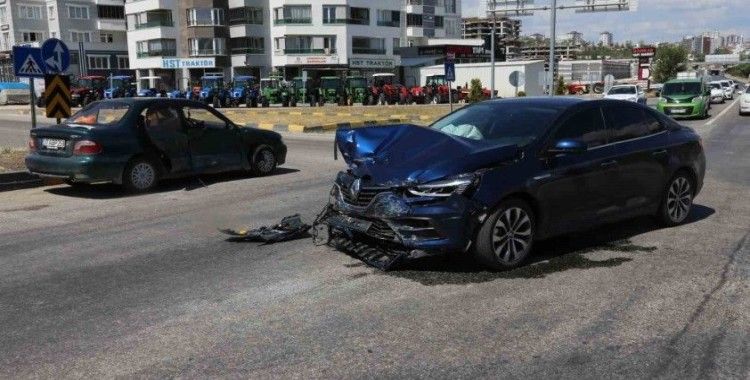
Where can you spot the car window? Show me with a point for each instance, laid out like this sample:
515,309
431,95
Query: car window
627,123
586,125
100,114
162,118
715,85
197,115
622,90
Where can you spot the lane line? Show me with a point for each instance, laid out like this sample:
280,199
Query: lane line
729,107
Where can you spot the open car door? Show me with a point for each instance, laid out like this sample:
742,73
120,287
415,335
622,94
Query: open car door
164,129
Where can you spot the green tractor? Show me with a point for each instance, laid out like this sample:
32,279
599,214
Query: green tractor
332,91
270,90
288,94
357,89
299,90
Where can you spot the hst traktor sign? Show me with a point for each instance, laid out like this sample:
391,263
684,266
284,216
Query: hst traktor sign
188,63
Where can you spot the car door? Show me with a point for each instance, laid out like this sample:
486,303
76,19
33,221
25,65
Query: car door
642,145
214,142
579,188
163,127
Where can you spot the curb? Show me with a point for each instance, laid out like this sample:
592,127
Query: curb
297,128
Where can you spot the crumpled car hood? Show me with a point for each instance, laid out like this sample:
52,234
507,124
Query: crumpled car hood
410,154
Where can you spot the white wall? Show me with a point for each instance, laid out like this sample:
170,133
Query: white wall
467,71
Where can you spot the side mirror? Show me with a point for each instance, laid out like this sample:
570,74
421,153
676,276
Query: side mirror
568,146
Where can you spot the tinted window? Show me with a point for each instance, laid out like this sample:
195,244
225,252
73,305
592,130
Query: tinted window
586,126
629,122
163,118
100,114
198,115
681,88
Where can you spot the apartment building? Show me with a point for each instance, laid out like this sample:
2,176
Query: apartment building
182,40
507,33
94,30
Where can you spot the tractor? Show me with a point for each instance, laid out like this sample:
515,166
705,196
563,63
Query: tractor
120,86
270,90
386,90
83,91
436,90
332,91
288,94
213,90
156,91
356,89
244,91
300,90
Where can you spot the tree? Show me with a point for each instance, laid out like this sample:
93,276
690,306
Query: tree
668,61
475,91
723,50
559,85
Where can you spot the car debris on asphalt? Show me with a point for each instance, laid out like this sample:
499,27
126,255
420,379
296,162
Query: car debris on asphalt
290,228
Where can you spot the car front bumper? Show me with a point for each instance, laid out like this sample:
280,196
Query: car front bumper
681,110
77,168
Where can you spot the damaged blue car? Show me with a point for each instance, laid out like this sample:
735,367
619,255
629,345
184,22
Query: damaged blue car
492,178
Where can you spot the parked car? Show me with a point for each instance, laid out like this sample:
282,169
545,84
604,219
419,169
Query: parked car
745,102
627,92
685,98
495,177
136,142
717,92
728,89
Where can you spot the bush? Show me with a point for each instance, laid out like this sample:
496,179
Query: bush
521,93
559,85
742,70
475,91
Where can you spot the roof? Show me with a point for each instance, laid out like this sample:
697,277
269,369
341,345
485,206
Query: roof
685,80
548,101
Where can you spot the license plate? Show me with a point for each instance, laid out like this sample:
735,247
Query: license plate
53,144
678,110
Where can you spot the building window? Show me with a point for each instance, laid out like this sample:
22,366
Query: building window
246,15
293,14
106,38
123,62
413,19
155,18
156,48
247,45
396,46
359,16
31,12
334,14
207,46
112,12
450,6
32,36
388,17
78,12
367,45
6,41
205,17
3,16
80,36
51,12
438,21
98,62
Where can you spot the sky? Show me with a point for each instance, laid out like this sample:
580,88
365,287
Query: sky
654,21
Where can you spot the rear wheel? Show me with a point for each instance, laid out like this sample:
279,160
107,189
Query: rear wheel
677,199
140,175
263,162
505,239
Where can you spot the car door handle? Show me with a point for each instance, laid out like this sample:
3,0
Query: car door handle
659,152
607,164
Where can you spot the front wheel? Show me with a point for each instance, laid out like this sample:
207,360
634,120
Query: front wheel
263,162
677,199
141,175
505,239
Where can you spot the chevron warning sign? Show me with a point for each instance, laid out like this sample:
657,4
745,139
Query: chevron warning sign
57,95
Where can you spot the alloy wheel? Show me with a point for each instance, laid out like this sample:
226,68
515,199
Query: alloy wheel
512,235
266,161
142,175
679,199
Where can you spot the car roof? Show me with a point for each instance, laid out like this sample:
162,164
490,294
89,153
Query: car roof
685,80
624,85
138,101
556,101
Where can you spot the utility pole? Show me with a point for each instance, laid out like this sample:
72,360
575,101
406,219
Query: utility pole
552,38
492,53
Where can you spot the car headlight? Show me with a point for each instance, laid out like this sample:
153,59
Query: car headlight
633,99
446,187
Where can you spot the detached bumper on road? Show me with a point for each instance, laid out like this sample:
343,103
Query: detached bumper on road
76,168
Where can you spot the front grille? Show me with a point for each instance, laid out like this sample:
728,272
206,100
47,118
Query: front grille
381,230
365,196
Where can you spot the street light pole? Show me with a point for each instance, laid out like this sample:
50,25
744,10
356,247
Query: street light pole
552,36
492,53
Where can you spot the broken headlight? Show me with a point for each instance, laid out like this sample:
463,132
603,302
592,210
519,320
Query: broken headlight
446,187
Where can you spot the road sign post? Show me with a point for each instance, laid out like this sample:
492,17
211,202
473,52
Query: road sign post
56,56
27,63
450,77
57,92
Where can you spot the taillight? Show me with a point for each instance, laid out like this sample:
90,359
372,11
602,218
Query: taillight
32,144
86,147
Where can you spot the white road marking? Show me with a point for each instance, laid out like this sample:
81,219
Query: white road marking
713,119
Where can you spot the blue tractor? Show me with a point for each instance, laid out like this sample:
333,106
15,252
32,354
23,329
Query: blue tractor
245,91
213,90
153,91
120,86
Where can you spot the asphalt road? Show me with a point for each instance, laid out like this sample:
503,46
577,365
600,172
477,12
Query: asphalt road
95,283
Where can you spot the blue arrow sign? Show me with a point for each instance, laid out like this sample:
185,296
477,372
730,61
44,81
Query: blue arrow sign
27,62
56,56
450,71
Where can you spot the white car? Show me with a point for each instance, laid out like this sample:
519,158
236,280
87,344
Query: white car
745,102
717,92
728,89
627,92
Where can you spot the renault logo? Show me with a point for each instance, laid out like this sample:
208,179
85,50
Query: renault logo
355,188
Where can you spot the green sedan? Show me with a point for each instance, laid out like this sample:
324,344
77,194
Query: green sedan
135,142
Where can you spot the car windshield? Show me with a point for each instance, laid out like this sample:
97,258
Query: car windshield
88,83
357,82
100,114
622,90
329,83
502,122
715,85
119,82
681,88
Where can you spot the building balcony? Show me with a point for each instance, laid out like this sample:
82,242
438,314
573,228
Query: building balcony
154,24
247,50
111,24
308,51
350,21
394,24
207,52
362,50
292,21
156,53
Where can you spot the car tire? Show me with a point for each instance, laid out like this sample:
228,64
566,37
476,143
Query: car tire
677,200
506,238
140,175
263,162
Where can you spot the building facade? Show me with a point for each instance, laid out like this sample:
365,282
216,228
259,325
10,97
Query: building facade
182,40
507,32
94,31
605,39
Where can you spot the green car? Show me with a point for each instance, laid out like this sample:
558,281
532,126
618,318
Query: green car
684,98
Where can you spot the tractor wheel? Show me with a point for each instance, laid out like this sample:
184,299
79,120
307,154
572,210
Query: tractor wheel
401,99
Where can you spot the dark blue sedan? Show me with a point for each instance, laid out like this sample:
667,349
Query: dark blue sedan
494,177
